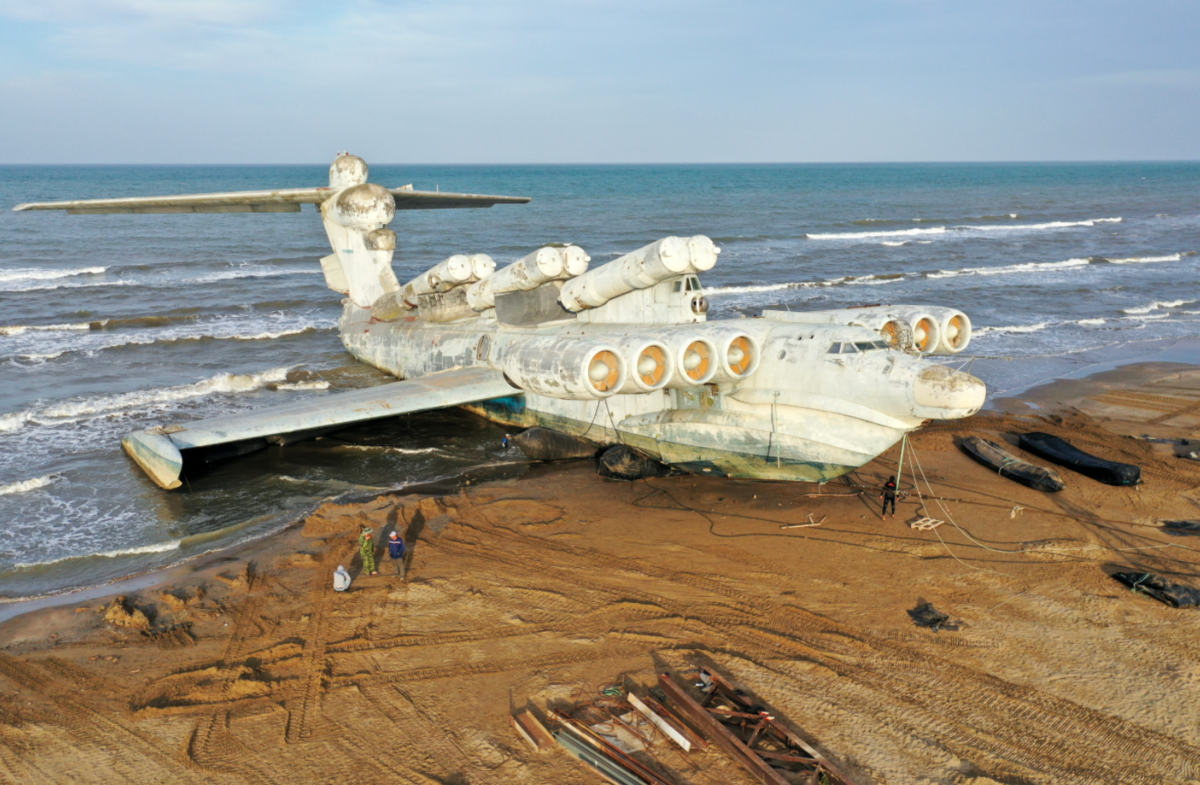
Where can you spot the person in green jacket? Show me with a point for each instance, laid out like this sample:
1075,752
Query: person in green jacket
366,549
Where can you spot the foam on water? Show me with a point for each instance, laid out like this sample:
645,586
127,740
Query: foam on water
141,400
135,550
26,485
1154,306
868,235
1175,257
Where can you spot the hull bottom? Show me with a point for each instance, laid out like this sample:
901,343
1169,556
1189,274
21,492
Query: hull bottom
704,459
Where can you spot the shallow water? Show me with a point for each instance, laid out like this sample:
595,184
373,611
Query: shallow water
111,323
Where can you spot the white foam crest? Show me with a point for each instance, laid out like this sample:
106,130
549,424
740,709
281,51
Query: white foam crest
157,547
758,288
318,385
1012,268
388,448
17,329
41,358
1016,328
1175,257
26,485
68,285
1156,305
33,274
13,421
865,235
1038,227
1090,322
894,243
252,272
157,398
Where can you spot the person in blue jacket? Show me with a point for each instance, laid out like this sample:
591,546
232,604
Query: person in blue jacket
396,550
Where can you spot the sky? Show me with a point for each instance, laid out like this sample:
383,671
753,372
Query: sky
598,81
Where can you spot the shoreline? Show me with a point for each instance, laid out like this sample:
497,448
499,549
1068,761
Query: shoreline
1176,351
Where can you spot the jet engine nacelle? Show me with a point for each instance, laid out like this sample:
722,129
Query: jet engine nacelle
737,353
955,330
650,362
567,367
906,327
695,356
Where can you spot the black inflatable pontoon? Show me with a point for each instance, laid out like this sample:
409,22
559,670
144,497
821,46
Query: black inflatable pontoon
1008,465
1062,452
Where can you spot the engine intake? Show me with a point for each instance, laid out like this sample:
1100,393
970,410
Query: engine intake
564,367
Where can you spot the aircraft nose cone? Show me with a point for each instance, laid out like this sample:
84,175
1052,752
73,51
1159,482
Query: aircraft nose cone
939,387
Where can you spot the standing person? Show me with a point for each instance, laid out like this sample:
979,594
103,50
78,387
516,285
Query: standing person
889,496
366,549
396,550
504,444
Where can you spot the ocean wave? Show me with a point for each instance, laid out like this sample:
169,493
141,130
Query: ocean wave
136,550
1089,322
26,485
894,243
18,329
1012,268
1157,305
319,385
37,359
1016,328
140,400
849,280
34,274
1175,257
1039,227
867,235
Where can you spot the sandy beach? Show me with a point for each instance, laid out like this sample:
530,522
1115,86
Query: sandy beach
537,592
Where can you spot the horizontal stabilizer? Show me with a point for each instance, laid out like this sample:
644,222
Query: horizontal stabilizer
287,200
159,451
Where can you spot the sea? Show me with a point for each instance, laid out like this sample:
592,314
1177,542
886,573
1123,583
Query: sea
114,323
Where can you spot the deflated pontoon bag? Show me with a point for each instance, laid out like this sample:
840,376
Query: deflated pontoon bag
622,463
1008,465
1062,452
925,615
1160,589
543,444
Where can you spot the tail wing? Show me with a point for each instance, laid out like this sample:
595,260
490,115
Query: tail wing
287,200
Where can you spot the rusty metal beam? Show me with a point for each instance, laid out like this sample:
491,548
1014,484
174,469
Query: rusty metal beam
711,726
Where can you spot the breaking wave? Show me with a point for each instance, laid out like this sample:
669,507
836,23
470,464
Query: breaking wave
17,329
934,230
33,274
157,547
1012,268
319,385
1016,328
140,400
1175,257
26,485
1154,306
867,235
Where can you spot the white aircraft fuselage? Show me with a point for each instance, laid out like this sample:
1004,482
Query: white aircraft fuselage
620,354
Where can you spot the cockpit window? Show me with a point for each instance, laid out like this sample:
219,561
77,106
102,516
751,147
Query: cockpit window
693,284
866,346
848,348
836,348
678,287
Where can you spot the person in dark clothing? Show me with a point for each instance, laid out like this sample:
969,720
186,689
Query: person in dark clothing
889,496
396,551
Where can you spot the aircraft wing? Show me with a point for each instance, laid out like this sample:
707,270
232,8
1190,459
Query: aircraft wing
159,451
285,200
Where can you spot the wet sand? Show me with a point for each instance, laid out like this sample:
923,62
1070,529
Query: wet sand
539,591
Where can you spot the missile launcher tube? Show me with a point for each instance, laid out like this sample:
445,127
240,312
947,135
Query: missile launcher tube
669,257
542,266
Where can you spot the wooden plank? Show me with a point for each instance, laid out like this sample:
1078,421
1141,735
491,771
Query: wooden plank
696,739
680,740
531,729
